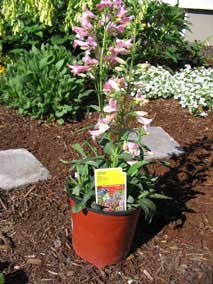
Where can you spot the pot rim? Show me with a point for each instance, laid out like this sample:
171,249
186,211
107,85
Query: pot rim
109,213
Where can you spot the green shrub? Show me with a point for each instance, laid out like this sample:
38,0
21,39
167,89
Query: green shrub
41,85
23,25
162,39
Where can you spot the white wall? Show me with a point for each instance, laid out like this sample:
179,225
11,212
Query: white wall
193,4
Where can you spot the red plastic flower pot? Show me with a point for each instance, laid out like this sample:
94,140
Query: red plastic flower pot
103,238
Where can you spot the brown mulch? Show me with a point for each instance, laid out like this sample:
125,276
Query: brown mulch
35,229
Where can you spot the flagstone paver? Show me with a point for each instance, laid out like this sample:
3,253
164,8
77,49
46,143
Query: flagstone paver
161,144
18,167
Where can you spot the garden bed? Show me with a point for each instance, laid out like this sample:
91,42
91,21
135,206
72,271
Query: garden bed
35,227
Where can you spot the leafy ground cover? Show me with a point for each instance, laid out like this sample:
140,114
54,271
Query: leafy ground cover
35,227
193,87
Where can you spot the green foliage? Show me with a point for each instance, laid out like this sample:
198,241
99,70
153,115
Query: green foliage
161,36
140,184
23,28
40,84
1,278
160,28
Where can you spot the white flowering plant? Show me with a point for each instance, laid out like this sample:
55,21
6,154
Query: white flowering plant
100,37
193,87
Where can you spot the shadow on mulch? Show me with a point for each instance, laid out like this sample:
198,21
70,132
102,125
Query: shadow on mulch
190,170
17,277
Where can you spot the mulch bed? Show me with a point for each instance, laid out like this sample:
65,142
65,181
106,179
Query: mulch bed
35,227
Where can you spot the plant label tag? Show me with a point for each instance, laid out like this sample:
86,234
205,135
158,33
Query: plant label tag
110,189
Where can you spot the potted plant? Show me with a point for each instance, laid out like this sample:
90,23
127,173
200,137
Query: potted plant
100,234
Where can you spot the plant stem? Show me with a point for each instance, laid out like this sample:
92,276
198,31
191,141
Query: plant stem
101,69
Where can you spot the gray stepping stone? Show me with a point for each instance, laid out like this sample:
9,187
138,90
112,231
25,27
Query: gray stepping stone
19,168
160,143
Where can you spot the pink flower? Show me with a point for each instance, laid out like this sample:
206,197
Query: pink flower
89,60
83,45
121,12
88,14
111,107
139,97
106,120
116,50
77,69
104,4
117,4
121,43
110,86
96,133
120,28
132,148
91,41
85,20
126,20
80,32
145,121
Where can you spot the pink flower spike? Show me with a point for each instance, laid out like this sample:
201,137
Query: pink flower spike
111,107
77,69
145,121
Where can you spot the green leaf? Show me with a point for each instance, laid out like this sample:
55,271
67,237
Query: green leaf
109,148
78,206
57,40
60,121
59,64
130,199
133,169
159,196
1,278
125,156
79,149
95,107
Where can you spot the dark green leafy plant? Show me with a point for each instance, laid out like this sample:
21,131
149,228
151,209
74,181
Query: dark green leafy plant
161,36
40,84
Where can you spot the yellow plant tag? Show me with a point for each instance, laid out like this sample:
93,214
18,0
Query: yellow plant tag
110,186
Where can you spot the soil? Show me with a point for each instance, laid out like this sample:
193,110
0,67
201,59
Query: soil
35,226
